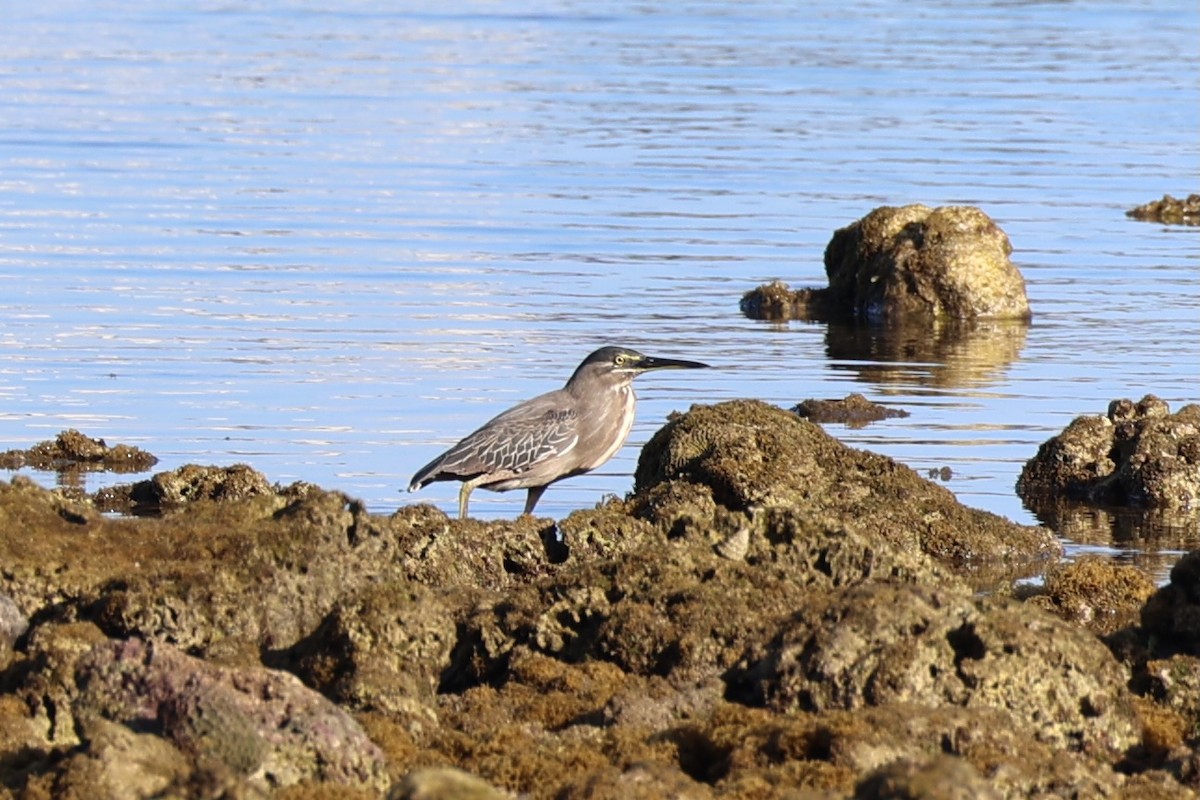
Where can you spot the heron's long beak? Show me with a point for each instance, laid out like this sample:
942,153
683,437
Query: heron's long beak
649,362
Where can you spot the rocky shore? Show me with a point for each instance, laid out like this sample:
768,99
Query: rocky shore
769,614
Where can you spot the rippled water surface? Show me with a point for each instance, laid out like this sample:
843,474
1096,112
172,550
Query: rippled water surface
329,243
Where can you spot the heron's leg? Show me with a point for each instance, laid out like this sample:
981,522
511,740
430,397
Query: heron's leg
531,499
464,494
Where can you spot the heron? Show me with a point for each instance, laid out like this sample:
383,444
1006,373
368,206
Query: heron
553,436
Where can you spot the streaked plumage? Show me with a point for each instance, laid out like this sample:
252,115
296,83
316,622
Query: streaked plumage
553,436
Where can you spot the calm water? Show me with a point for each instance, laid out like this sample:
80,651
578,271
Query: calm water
329,243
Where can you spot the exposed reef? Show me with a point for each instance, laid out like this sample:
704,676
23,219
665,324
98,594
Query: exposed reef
770,614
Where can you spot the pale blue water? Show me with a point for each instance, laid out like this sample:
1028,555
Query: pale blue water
330,243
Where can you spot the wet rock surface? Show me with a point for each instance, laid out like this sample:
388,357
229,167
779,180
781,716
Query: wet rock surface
778,302
769,614
853,410
1137,454
1169,211
908,263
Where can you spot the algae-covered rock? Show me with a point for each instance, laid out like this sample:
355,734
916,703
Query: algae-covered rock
951,262
601,657
1096,593
906,264
751,752
381,648
74,450
187,484
675,606
1174,684
749,454
884,644
1138,454
1168,210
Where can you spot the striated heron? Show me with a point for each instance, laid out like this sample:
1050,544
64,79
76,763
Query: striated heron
556,435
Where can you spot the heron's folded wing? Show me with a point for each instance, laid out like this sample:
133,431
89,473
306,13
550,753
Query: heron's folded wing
513,444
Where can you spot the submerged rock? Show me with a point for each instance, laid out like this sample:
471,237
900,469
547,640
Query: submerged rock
1138,454
1169,211
853,409
778,302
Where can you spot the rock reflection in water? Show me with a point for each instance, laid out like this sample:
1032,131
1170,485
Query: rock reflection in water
1152,539
942,355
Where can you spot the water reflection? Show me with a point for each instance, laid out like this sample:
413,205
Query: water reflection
1150,538
943,355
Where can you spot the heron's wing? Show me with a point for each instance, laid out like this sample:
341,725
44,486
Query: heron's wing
508,445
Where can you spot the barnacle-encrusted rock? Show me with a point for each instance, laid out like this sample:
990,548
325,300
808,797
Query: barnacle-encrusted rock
74,450
1138,454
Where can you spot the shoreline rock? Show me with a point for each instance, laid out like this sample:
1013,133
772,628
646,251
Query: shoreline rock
769,608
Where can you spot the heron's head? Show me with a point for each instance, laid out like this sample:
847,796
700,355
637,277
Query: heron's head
619,365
